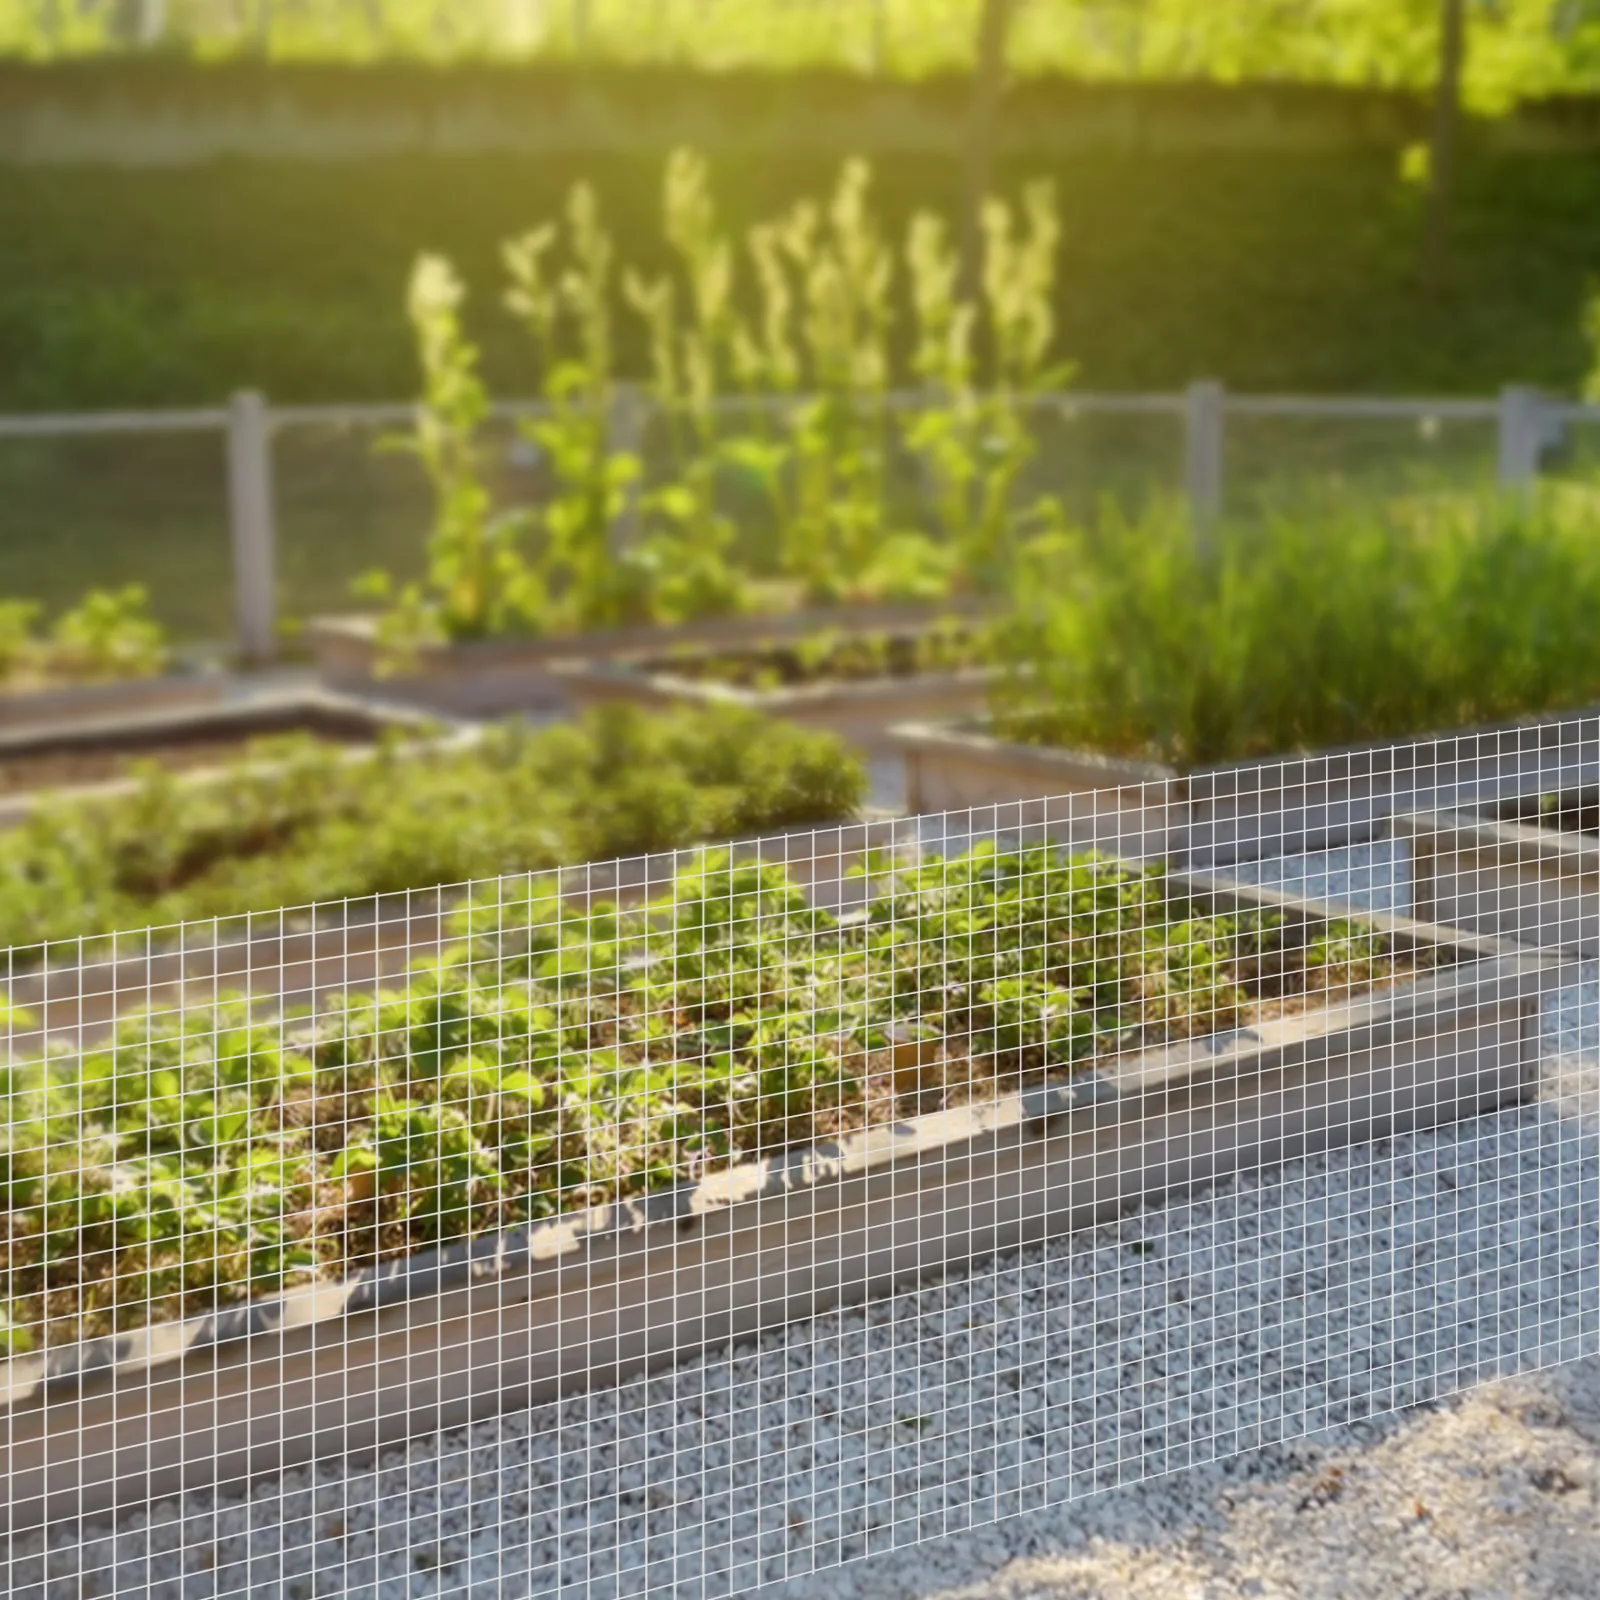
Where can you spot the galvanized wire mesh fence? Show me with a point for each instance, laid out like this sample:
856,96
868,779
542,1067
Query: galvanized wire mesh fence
675,1224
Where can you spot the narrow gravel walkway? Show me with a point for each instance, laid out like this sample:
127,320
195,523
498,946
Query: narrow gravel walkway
1176,1360
1487,1497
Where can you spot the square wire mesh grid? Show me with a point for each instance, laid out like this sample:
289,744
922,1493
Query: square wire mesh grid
683,1224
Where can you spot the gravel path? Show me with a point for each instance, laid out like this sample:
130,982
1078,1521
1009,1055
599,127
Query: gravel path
1351,1294
1376,876
1493,1495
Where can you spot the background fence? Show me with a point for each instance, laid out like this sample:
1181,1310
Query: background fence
297,502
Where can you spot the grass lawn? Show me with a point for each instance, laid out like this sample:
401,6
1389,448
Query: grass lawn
1270,271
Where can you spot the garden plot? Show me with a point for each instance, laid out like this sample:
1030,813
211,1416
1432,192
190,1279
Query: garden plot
331,838
131,697
764,484
490,676
104,658
675,1107
1287,685
308,955
1527,868
1240,811
102,759
857,686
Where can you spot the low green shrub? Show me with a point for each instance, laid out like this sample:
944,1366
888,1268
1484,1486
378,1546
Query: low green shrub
296,823
556,1058
108,636
1295,633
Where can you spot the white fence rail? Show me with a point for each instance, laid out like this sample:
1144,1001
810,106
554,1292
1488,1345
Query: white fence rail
1526,420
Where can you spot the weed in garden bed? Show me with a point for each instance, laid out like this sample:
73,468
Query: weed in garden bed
296,823
1360,623
556,1057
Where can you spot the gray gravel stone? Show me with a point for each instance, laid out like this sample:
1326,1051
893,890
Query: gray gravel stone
1376,877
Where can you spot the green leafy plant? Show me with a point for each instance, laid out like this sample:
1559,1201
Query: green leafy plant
109,636
793,399
830,273
831,458
975,438
478,581
294,823
691,538
17,644
558,1056
1301,631
598,577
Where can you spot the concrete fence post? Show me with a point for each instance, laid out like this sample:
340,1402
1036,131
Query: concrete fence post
1521,435
250,517
1204,421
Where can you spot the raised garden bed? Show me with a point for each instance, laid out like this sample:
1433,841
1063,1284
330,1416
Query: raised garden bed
858,684
105,657
1525,869
300,824
96,702
930,1135
1243,810
487,677
308,957
93,758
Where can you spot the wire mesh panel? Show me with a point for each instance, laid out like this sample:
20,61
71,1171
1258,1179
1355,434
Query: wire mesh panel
1570,451
83,513
678,1223
349,502
1280,461
1088,457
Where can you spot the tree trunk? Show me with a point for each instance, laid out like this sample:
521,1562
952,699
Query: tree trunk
987,87
1446,138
